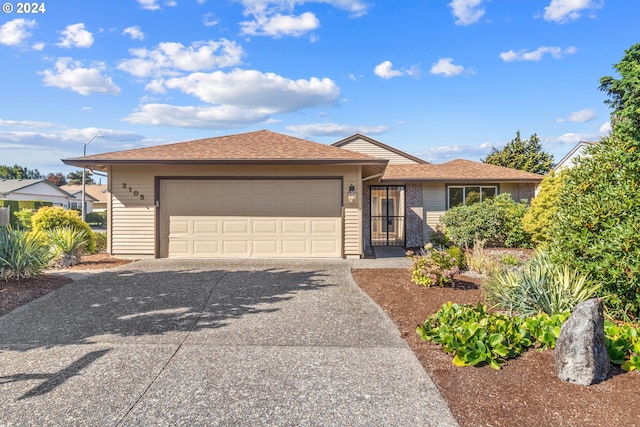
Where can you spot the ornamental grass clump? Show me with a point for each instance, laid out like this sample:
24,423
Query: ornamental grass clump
67,245
22,254
434,267
539,287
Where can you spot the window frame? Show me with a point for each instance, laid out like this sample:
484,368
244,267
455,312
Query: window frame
464,191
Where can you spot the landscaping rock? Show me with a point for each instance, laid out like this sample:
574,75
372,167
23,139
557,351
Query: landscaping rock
581,353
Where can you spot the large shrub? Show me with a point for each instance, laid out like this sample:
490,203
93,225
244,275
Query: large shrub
498,221
22,254
596,227
539,217
49,218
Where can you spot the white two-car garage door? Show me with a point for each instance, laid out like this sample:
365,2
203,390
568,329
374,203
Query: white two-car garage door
259,218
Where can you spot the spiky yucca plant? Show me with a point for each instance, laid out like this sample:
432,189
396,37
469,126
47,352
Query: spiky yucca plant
539,287
67,245
22,254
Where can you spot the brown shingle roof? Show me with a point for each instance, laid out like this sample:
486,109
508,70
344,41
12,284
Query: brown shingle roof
457,170
260,146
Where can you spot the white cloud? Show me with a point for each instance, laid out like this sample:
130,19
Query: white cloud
385,70
134,32
75,36
276,18
149,4
38,46
445,67
281,25
579,116
167,58
447,153
467,12
536,55
237,98
605,128
25,123
334,129
254,89
14,32
209,20
70,74
574,138
562,11
205,117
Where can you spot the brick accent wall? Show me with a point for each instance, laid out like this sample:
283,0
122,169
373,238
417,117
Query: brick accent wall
526,191
414,215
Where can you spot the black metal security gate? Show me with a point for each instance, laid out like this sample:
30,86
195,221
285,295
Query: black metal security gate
387,215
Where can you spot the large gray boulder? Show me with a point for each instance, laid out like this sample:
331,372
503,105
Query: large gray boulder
581,353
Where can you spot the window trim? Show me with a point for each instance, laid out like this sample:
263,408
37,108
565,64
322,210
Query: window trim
464,187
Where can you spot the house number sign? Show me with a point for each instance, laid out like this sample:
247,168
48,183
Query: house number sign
131,190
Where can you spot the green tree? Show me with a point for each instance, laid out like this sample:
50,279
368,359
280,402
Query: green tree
539,217
525,155
596,227
75,178
624,94
19,172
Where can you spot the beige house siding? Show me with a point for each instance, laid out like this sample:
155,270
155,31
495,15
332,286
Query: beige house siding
365,147
132,212
434,196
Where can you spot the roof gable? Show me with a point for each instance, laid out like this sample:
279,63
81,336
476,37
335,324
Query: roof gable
253,147
8,186
578,150
366,145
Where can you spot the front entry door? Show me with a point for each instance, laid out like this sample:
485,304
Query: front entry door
387,215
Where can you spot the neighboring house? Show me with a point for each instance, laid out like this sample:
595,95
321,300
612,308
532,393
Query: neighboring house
96,197
264,194
34,189
570,159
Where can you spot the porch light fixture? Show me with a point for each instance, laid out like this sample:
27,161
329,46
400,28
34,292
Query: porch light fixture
351,195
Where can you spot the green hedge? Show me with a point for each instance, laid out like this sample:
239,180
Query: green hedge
16,205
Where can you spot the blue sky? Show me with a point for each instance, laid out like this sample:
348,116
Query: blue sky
439,79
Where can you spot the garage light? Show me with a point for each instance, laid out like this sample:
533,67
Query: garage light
351,195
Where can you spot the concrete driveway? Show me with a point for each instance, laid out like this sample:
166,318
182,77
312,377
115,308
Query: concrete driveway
202,342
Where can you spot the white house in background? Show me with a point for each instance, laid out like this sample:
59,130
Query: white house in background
34,189
96,197
569,160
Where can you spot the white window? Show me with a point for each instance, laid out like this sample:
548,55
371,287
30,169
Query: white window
463,195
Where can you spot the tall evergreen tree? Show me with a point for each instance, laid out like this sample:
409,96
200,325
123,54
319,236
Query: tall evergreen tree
525,155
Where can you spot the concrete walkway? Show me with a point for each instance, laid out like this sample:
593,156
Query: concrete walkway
165,342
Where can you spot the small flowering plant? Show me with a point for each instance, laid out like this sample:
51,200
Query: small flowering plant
433,267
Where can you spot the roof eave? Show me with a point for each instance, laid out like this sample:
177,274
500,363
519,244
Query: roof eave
466,180
88,163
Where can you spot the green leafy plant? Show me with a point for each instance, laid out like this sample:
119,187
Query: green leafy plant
538,219
540,286
22,254
435,267
475,336
459,255
438,237
67,245
48,218
510,260
545,329
97,218
497,221
623,345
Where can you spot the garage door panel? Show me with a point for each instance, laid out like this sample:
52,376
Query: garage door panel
295,226
251,218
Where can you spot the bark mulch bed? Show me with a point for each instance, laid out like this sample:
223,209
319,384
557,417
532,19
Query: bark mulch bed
526,392
13,294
